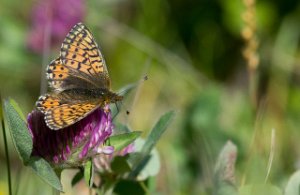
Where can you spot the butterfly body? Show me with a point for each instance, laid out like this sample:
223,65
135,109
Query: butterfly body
82,94
79,80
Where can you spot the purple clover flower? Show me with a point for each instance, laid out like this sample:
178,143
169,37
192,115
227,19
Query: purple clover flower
56,16
102,163
74,144
128,149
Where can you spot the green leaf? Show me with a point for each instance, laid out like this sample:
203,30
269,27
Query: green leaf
19,131
259,189
89,173
152,164
224,178
108,183
292,187
121,128
45,171
151,168
152,181
128,187
77,178
157,131
140,161
120,141
120,165
17,108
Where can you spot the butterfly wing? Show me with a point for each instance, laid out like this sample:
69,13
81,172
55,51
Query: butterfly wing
60,114
81,55
61,77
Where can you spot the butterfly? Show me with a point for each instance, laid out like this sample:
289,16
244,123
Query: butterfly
79,80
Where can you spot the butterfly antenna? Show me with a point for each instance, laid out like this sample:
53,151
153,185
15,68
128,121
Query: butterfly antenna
118,109
130,87
139,86
133,85
116,112
122,105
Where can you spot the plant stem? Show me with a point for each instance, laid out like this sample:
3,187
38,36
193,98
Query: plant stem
55,192
144,187
6,149
46,50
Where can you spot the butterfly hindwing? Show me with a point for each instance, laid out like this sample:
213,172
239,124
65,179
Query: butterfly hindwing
46,102
59,113
67,114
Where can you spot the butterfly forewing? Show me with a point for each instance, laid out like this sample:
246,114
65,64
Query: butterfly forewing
61,77
80,52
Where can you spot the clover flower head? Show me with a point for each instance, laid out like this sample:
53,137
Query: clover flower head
74,144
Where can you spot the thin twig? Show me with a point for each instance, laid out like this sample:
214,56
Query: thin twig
272,152
55,191
259,117
18,177
142,184
249,34
46,52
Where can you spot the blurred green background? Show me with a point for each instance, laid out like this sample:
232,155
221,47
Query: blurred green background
192,52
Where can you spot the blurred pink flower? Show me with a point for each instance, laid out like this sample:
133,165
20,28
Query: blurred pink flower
53,18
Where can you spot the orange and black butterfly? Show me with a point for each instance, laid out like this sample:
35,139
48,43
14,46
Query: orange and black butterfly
79,80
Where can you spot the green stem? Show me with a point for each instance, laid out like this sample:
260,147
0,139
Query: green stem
6,150
55,191
46,52
144,187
